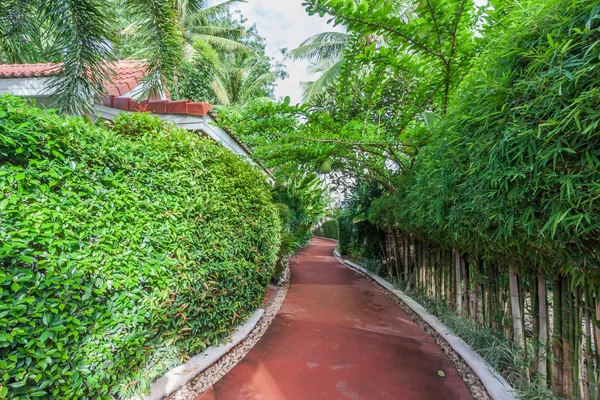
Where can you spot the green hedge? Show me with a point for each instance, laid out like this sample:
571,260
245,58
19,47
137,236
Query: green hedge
328,229
122,250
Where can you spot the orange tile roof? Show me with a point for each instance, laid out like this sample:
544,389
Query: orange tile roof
128,74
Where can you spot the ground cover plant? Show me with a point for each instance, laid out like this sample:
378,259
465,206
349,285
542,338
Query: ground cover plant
123,250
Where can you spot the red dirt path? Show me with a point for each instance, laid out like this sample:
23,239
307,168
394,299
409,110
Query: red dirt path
338,337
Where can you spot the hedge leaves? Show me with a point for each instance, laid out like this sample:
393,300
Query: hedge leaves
122,250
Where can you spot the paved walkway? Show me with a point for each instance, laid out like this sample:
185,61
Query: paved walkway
338,337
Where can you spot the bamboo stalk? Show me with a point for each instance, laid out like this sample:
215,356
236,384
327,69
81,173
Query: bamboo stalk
485,289
577,361
567,339
543,328
557,352
448,277
423,259
590,377
396,253
406,256
458,283
466,312
519,337
473,293
596,332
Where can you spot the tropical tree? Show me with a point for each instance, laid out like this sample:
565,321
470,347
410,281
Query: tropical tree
82,35
87,36
325,51
240,79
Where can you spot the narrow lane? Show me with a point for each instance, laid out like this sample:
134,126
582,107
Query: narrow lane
338,337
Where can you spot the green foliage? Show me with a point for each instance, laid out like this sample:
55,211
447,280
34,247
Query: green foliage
325,50
228,64
358,236
287,246
123,251
84,36
193,79
515,174
307,202
346,228
328,229
87,36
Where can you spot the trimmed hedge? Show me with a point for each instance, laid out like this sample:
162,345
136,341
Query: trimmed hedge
122,251
328,229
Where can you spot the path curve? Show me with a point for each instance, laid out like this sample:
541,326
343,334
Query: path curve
338,337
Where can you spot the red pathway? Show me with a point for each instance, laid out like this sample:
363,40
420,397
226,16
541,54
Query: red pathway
338,337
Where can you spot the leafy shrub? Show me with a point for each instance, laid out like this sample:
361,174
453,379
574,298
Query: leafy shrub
497,349
194,78
345,226
122,251
329,229
287,245
307,201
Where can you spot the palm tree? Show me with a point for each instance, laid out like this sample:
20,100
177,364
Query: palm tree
325,51
328,71
206,23
84,36
241,78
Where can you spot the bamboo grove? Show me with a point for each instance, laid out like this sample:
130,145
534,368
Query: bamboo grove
500,208
560,322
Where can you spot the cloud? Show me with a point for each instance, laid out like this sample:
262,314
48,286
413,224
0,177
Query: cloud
285,24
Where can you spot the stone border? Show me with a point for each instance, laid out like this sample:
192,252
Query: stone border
496,386
201,380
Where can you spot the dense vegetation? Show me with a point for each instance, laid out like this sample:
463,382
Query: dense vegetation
124,250
198,49
465,139
328,229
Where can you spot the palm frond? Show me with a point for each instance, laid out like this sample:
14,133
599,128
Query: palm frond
215,30
322,46
186,7
256,85
220,91
83,36
20,35
227,45
162,41
210,12
311,89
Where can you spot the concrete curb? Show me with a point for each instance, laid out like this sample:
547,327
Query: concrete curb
180,375
496,386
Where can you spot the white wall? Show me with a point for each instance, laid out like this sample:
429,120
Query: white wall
25,87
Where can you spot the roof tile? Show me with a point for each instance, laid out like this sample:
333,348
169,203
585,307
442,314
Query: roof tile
128,73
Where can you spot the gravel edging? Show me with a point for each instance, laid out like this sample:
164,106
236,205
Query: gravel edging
487,384
208,377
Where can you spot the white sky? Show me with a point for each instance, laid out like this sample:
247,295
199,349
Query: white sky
285,23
